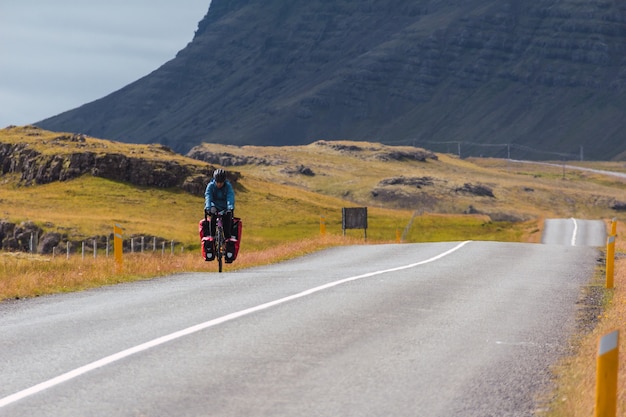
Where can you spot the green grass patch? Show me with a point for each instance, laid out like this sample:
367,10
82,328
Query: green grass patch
437,228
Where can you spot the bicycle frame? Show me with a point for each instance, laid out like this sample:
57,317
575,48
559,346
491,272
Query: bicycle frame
220,241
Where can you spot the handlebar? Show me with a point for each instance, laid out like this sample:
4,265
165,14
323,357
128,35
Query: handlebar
219,213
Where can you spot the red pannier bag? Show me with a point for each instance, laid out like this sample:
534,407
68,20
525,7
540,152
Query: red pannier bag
205,239
237,228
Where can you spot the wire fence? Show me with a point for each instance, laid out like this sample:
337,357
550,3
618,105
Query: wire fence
92,248
466,149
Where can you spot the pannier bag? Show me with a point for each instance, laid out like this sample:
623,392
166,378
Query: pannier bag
208,243
233,247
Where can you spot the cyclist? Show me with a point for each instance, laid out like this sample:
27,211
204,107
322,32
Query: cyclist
220,199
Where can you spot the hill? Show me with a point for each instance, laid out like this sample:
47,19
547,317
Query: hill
527,76
409,178
76,186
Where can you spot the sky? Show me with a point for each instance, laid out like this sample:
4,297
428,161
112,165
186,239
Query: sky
58,55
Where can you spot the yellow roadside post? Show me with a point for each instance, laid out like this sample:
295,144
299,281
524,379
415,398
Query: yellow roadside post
398,236
322,225
606,375
610,261
614,227
117,245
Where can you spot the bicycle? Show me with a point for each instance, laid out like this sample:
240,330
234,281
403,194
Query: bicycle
219,243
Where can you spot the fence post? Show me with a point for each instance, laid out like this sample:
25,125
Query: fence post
95,248
606,375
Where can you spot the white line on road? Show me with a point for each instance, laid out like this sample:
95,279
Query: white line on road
193,329
575,231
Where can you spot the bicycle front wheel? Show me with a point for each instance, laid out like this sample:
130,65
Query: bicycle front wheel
220,248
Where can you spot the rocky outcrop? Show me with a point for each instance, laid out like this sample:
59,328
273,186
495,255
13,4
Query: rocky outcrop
479,190
19,237
299,170
227,159
417,182
36,167
619,206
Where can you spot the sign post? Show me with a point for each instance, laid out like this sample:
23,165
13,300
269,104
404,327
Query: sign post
354,218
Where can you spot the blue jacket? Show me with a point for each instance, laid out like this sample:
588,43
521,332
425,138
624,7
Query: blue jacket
222,198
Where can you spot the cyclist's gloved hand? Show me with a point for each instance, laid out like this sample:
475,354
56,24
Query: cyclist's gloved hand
213,210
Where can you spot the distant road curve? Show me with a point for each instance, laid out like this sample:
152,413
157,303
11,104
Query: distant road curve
574,232
597,171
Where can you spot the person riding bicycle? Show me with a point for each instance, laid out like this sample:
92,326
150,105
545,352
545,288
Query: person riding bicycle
220,199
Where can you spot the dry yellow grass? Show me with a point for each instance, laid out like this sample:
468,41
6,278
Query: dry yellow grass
25,275
576,374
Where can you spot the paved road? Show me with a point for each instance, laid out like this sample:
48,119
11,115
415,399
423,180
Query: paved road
615,174
574,232
443,329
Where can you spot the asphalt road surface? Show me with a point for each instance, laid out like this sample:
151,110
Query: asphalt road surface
574,232
439,329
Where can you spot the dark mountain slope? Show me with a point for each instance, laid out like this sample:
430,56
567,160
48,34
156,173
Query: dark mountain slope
545,74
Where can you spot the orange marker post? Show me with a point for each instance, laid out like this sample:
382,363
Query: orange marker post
117,245
614,227
610,261
606,375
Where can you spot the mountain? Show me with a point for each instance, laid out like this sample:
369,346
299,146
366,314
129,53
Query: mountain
521,78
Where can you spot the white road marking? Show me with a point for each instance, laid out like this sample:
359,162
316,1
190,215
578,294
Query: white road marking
531,344
193,329
575,231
